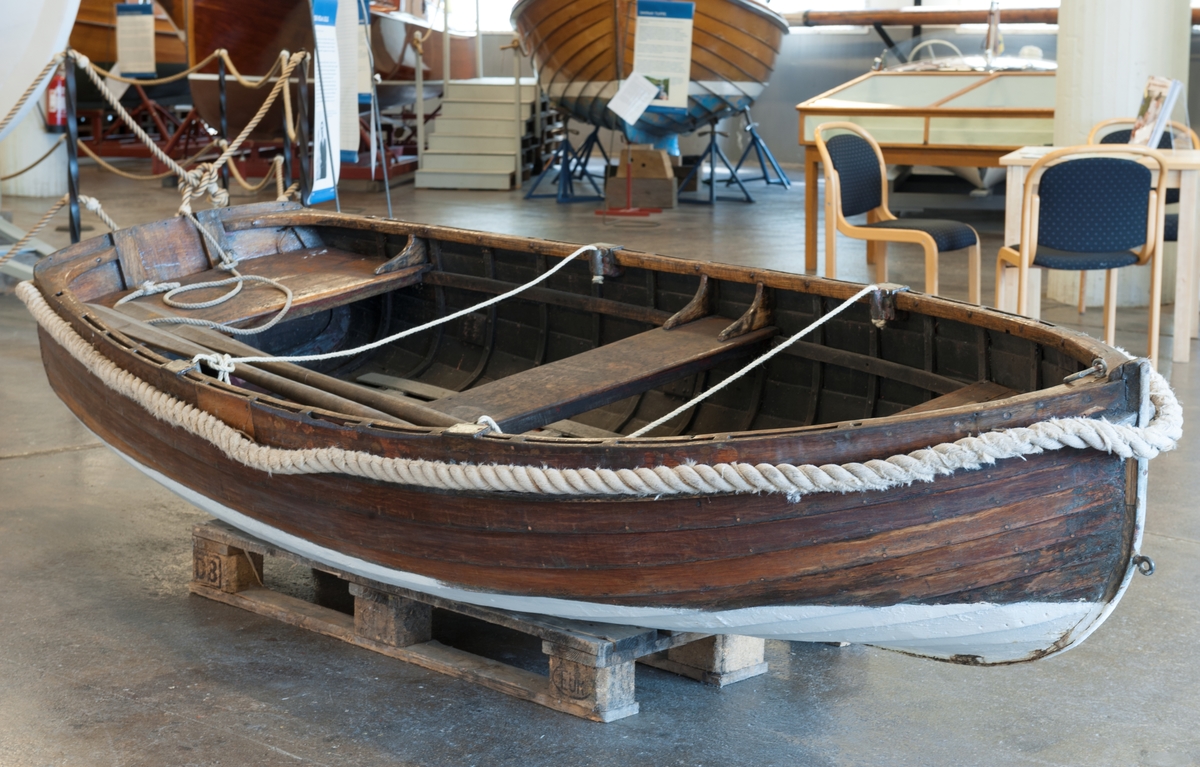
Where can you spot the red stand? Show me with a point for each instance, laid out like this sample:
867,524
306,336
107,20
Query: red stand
628,210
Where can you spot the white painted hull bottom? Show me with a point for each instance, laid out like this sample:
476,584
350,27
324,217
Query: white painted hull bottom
991,633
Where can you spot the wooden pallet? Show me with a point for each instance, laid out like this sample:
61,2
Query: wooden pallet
591,664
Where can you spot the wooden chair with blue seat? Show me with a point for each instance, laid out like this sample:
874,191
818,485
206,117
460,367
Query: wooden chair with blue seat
1091,207
855,183
1118,130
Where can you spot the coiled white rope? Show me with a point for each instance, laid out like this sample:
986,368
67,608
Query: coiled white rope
228,262
1160,435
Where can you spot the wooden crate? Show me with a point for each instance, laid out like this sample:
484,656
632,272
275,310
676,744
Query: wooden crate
591,664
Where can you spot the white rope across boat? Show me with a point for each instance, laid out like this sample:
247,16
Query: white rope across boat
1159,435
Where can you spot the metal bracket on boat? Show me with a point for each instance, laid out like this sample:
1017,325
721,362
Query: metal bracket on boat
416,251
883,303
1099,369
760,314
1144,564
182,367
604,262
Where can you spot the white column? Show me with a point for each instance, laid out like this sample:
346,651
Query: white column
27,142
1106,51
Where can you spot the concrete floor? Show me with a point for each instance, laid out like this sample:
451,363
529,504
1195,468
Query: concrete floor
106,659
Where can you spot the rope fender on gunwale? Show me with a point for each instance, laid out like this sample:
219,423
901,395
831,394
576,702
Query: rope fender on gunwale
1160,435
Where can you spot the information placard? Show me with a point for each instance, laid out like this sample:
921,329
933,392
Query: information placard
135,39
662,51
326,103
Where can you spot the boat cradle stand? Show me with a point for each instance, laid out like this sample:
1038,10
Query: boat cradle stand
591,664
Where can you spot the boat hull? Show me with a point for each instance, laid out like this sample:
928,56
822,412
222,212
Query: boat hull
1011,561
961,579
584,49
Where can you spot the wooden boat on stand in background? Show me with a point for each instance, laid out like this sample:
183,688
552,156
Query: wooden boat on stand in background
255,31
584,48
499,459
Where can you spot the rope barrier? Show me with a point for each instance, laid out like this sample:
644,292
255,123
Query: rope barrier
220,53
1160,435
91,203
37,83
104,164
203,178
36,162
20,244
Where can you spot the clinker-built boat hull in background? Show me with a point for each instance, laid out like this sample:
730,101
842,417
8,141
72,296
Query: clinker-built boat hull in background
374,463
584,48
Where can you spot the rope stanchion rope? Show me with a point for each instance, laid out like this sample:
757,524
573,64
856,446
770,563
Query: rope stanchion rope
91,203
36,162
203,179
1159,435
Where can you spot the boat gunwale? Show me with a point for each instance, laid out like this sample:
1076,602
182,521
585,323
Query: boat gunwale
53,274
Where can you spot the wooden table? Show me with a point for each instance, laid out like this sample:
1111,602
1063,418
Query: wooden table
930,118
1184,169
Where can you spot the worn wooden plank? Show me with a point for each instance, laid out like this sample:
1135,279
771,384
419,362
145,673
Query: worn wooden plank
597,377
285,387
319,278
431,655
430,392
974,394
550,296
874,366
288,379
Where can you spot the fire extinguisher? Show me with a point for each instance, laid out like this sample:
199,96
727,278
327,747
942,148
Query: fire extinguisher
56,103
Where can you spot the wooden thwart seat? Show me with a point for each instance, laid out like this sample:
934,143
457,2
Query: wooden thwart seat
574,385
319,278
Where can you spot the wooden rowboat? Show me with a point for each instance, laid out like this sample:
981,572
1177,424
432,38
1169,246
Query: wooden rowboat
584,48
375,463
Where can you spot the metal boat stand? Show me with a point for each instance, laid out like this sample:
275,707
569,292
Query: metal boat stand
712,154
569,161
766,160
584,156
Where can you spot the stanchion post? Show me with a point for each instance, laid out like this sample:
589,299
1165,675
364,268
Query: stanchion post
287,148
302,131
72,152
420,99
520,127
224,117
445,48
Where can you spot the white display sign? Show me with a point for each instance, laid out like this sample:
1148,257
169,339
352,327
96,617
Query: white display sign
632,98
348,36
135,39
326,104
662,51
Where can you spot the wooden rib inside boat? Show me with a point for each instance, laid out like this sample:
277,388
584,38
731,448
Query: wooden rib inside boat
1008,562
583,48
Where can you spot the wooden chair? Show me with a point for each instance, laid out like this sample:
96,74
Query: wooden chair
856,182
1092,207
1117,131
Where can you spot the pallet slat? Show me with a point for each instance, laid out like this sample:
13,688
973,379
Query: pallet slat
591,664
